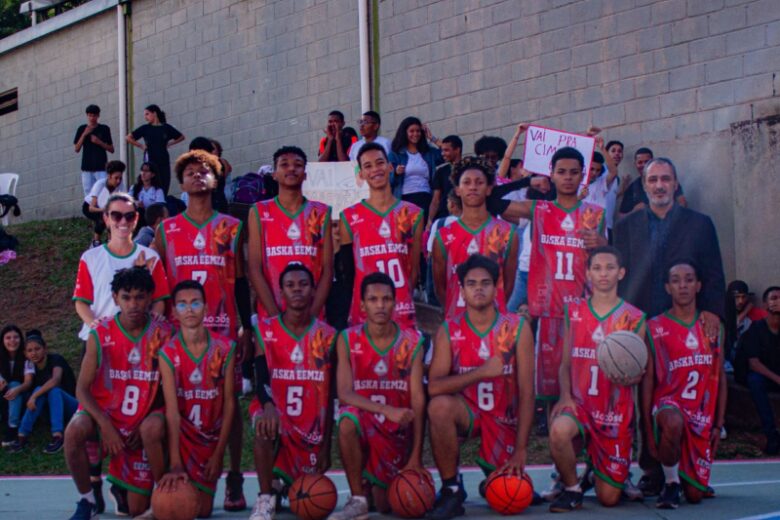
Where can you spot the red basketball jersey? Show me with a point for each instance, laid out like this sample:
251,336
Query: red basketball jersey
383,242
470,350
458,242
300,369
610,406
206,253
686,368
558,255
200,384
290,238
383,376
127,378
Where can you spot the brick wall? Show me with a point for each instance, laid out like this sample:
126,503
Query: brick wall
57,78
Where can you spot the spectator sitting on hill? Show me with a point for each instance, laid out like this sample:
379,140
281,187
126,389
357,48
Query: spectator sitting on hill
154,214
740,314
761,347
54,384
11,379
95,202
146,190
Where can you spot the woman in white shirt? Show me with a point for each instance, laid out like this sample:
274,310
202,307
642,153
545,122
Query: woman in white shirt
93,205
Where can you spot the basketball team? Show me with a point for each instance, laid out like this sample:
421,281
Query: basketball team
160,376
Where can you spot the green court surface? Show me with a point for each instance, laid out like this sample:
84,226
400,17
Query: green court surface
746,490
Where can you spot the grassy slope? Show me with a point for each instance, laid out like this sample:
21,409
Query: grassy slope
36,290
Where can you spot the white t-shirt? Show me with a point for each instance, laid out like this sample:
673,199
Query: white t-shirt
606,197
150,195
416,176
355,149
96,271
524,260
100,191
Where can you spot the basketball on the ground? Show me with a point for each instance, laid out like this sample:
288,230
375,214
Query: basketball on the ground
622,354
181,504
411,494
312,497
509,494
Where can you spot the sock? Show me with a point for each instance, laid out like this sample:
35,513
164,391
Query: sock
451,483
360,499
89,496
671,473
576,488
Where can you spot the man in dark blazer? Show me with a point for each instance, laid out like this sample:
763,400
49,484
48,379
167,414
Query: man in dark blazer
652,238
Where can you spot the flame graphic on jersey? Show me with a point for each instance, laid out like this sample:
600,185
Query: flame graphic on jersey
314,224
404,222
215,364
155,342
590,218
319,348
403,359
222,235
504,341
624,322
496,242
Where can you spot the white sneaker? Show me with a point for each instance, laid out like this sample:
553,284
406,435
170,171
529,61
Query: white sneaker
246,386
265,508
723,434
555,489
356,508
146,515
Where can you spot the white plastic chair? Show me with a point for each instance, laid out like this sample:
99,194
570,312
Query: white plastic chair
8,182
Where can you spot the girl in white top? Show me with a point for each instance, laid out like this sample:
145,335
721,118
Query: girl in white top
146,191
98,196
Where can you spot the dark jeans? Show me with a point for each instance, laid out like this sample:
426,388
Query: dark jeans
97,218
760,387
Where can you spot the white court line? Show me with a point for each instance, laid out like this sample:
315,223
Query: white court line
747,483
767,516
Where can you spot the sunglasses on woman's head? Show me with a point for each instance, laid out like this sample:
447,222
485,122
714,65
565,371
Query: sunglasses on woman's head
117,216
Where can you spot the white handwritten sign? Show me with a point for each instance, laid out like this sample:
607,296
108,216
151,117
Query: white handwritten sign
335,183
541,143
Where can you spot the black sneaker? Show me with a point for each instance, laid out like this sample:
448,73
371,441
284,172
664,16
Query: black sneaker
54,446
537,499
448,505
670,496
650,484
85,510
18,445
97,490
234,492
709,492
567,501
483,488
119,498
10,436
586,481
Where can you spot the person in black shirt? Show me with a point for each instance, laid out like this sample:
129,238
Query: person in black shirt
53,384
761,345
451,150
95,140
158,136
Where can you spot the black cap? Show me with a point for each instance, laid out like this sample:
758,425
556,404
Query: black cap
738,287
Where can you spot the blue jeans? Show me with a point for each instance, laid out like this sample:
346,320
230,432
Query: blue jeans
519,293
15,406
62,405
759,390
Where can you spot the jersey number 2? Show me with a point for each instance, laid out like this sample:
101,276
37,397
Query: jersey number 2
689,392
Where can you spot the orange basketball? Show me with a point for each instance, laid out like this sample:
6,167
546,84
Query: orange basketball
508,494
181,504
312,497
411,494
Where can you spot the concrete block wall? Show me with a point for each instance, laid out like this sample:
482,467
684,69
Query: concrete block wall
672,75
56,77
254,74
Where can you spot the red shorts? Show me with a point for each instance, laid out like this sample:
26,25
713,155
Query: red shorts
609,456
296,455
387,452
195,451
498,436
549,352
695,447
